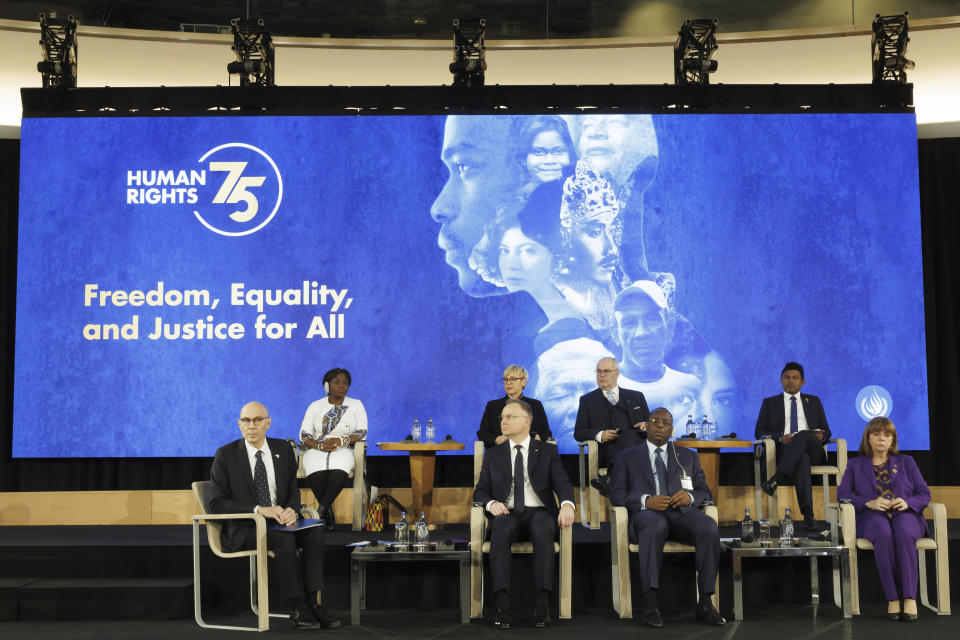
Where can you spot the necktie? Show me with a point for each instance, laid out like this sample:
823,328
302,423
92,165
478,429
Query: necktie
611,396
260,481
793,414
661,472
518,496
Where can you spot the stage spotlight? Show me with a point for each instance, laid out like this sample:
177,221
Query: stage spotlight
469,53
889,47
58,43
254,48
692,52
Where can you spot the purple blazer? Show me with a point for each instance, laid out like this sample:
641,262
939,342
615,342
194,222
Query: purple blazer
859,484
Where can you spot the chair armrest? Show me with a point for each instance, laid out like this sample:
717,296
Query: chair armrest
478,526
477,461
711,510
848,522
769,446
841,444
258,520
939,522
359,455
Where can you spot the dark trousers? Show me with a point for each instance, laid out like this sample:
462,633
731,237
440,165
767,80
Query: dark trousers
535,524
296,575
894,549
651,529
794,461
326,485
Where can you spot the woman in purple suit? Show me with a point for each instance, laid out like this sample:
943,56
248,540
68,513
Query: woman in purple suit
889,496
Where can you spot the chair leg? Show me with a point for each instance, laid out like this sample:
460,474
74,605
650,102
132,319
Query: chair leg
476,584
854,583
922,570
255,591
581,465
566,572
263,621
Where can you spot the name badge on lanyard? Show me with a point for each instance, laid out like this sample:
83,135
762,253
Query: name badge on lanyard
686,482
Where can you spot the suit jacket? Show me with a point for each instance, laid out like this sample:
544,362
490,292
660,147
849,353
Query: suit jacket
593,416
233,486
860,487
632,477
490,422
543,468
772,419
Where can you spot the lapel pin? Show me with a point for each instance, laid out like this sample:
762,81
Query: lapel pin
277,456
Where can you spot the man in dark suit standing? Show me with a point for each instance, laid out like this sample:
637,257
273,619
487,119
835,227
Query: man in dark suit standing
797,423
259,474
518,480
610,415
662,486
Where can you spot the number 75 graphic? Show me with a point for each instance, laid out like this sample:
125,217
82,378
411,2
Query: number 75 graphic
236,188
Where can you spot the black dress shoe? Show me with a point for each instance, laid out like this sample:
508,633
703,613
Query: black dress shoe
502,621
601,486
892,617
909,617
710,615
652,618
325,619
541,618
302,618
769,486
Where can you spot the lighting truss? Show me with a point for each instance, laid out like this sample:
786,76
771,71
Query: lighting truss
58,44
254,49
889,47
692,52
469,53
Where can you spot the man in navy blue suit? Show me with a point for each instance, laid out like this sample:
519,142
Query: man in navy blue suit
662,486
518,480
610,415
798,425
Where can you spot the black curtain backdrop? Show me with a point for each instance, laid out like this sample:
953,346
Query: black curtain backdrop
940,205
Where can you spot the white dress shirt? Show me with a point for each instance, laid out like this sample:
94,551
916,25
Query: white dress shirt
801,418
268,463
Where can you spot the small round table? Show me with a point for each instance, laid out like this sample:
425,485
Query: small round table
423,456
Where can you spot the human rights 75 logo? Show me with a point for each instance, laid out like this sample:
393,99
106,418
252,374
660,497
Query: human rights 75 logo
248,189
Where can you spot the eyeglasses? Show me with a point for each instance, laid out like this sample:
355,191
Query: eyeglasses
663,421
511,380
511,416
606,372
257,421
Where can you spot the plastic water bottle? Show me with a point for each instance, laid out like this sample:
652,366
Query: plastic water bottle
423,534
415,431
691,427
705,428
403,533
786,529
431,431
746,527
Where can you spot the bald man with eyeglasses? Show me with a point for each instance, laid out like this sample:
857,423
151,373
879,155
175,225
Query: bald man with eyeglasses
259,474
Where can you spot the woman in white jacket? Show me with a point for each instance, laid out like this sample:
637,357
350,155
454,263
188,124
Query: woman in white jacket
331,426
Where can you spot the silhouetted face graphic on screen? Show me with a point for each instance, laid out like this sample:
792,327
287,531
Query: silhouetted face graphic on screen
547,157
594,250
524,263
617,145
643,329
476,151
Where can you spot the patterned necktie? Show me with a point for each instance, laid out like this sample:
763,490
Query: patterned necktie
260,481
518,492
661,472
794,425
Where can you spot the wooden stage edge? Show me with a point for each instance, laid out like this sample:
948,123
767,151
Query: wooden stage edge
451,504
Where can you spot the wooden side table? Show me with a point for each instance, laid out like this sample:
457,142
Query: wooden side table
423,456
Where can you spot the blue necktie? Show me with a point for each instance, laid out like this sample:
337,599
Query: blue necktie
260,481
518,496
661,472
794,425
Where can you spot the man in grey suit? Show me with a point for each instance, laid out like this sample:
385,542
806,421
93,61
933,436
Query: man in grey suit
662,486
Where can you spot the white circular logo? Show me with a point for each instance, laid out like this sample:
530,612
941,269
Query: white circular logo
874,401
247,197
